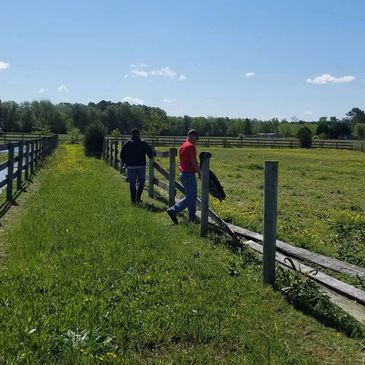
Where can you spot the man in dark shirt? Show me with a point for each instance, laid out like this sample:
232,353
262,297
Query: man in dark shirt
188,167
133,155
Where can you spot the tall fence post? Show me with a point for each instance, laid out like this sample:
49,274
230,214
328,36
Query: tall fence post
111,153
172,174
116,155
151,174
205,197
9,187
270,215
32,157
27,145
20,165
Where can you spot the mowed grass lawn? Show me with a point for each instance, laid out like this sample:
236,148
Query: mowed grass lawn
321,196
88,278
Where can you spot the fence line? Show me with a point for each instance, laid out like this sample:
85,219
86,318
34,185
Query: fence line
227,142
29,154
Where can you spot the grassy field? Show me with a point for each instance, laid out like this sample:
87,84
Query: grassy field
321,196
88,278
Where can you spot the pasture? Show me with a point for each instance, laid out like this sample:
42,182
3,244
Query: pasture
321,204
88,278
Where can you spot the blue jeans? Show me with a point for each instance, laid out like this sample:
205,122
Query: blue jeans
135,175
189,200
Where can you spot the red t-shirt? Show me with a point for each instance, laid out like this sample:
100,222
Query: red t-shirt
187,152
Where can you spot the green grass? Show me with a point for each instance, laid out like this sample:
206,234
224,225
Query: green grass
88,278
3,157
321,196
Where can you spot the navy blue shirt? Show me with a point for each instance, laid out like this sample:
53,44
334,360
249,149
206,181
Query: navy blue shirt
134,152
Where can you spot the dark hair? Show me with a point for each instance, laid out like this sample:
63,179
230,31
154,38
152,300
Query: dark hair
135,131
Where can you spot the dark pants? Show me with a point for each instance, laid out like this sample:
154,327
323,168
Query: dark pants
136,178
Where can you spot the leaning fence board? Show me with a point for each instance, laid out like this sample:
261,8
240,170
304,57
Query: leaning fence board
3,165
303,254
324,279
3,183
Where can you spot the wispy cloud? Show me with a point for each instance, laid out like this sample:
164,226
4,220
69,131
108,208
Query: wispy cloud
4,65
42,90
169,101
132,100
329,79
63,89
142,70
249,74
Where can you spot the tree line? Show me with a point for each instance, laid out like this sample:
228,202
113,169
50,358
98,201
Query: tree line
46,117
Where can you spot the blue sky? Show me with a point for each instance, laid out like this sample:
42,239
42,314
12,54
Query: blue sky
257,58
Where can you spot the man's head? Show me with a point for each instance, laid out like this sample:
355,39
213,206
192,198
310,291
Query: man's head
193,136
135,133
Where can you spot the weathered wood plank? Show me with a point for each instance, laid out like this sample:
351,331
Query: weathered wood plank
3,165
303,254
3,183
162,154
324,279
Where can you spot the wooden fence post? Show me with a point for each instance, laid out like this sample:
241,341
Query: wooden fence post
111,153
9,188
27,160
205,197
32,157
116,155
270,215
151,174
20,165
172,173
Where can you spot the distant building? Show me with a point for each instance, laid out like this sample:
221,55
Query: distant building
269,135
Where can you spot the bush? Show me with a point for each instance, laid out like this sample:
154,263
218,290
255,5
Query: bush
74,135
305,137
93,140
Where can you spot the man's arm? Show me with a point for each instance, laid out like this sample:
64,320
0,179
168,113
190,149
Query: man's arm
148,150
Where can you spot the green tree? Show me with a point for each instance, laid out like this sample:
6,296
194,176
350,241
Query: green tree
305,137
360,130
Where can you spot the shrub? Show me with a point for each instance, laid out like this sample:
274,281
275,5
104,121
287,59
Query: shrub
93,140
115,133
305,137
74,135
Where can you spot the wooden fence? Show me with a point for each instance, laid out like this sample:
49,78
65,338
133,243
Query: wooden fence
226,142
23,155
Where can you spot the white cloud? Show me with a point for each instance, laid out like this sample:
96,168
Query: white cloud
42,90
141,70
329,79
139,73
132,100
308,112
169,101
4,65
249,74
63,89
138,65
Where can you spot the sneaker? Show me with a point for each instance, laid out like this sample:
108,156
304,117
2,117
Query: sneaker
172,216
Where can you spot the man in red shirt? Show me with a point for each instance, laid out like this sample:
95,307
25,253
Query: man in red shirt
188,167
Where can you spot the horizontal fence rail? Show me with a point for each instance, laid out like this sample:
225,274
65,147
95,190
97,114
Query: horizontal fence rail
226,142
23,156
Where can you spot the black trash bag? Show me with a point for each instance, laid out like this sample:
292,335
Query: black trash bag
215,187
